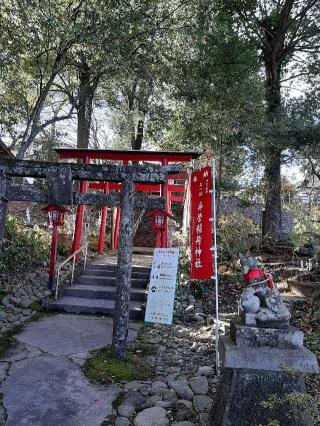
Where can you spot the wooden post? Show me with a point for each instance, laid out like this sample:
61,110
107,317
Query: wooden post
53,255
122,303
3,205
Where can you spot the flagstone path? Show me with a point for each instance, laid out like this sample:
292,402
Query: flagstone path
42,382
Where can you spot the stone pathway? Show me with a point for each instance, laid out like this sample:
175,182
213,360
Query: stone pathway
42,382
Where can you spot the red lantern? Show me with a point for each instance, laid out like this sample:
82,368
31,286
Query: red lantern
55,214
159,224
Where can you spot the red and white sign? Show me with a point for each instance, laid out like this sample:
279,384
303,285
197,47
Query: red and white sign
201,236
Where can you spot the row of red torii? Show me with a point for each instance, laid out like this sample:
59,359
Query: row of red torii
172,192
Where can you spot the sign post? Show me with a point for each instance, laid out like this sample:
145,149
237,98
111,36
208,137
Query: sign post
215,262
162,286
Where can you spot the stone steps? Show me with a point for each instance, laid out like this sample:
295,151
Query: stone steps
112,272
289,300
94,291
113,267
109,281
93,306
102,292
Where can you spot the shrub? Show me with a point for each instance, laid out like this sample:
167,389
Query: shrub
306,226
24,248
236,233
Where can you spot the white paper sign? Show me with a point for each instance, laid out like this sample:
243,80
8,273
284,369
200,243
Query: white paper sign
162,287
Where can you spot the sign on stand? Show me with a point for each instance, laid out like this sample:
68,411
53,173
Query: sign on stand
162,286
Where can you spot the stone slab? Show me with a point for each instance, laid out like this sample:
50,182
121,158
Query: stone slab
51,391
69,334
281,338
266,358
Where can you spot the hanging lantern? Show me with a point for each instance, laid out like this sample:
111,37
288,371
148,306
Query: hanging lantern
55,214
159,224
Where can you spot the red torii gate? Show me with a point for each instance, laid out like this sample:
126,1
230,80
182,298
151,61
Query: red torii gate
166,190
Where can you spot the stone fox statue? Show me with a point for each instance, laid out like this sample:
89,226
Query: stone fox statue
260,302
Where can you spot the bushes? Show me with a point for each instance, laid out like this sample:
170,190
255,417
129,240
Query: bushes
236,234
24,249
306,226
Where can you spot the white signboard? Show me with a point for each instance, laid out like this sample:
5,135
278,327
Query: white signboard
162,287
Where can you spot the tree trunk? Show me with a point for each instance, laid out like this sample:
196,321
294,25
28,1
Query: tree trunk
87,89
272,223
137,136
122,304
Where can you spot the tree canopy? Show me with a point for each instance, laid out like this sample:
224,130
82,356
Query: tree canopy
221,77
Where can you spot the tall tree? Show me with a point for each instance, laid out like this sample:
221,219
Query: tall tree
284,33
35,41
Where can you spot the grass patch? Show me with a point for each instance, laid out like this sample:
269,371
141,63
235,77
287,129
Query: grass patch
8,341
3,293
42,314
104,368
143,349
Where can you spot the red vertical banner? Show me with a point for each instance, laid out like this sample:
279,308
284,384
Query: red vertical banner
201,234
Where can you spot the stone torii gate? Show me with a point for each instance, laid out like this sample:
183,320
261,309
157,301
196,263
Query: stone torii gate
60,178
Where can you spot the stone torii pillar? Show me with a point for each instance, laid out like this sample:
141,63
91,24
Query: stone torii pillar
122,308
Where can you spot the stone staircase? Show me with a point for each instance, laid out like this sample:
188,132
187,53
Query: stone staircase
95,288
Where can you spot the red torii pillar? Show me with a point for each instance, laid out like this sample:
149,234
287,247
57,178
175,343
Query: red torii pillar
102,232
166,195
117,224
78,229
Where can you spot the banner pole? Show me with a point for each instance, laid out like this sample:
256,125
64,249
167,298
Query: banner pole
215,263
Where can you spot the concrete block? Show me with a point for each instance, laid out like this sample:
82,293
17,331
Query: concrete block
266,358
281,338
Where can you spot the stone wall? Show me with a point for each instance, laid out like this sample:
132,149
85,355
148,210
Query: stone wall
20,305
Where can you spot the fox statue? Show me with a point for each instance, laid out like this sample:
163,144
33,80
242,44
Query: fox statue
260,302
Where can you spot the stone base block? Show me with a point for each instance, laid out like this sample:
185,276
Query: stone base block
249,319
241,392
281,338
266,358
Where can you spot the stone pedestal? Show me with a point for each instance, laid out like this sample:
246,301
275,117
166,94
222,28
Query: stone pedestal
259,362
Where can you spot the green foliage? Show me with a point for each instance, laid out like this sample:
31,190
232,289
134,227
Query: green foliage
274,423
306,226
104,368
236,234
64,245
299,405
313,341
24,248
